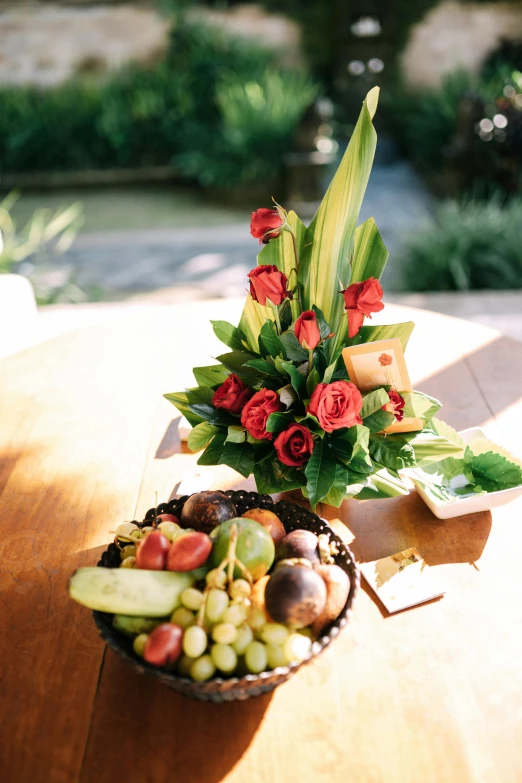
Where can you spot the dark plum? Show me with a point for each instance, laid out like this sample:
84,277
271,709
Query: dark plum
295,596
299,543
205,510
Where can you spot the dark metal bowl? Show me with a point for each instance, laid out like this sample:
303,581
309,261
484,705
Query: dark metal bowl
220,689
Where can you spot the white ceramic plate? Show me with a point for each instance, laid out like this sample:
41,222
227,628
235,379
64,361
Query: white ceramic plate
465,505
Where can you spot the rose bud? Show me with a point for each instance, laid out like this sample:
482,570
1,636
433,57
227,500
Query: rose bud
267,282
265,224
336,405
232,395
256,412
307,331
362,299
396,404
294,446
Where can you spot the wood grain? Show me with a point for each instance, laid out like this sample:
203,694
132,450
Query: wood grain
429,695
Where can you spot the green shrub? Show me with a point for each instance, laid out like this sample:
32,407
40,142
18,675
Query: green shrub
180,112
468,246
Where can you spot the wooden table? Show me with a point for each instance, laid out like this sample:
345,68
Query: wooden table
433,694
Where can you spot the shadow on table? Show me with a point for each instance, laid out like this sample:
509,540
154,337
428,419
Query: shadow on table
384,527
161,735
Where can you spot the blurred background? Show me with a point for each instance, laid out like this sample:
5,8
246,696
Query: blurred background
137,137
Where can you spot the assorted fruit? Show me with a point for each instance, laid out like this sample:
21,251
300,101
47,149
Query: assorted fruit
214,594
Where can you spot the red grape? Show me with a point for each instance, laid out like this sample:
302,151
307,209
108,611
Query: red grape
164,645
152,552
189,551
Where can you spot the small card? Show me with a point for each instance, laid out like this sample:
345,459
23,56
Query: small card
381,363
401,580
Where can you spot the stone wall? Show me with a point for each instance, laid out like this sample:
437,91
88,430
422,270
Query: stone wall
47,43
454,35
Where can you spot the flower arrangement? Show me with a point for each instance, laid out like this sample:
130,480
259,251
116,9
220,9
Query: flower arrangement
280,403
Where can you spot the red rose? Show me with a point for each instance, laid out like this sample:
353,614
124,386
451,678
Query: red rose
256,412
265,224
396,404
307,331
294,446
336,405
267,282
232,395
360,300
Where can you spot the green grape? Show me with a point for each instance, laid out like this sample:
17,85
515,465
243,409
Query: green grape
139,643
297,647
235,614
148,529
125,529
183,617
245,635
275,656
224,633
273,633
240,589
194,641
306,632
202,668
256,618
169,529
224,657
136,535
129,562
184,663
255,657
192,599
217,602
128,551
216,578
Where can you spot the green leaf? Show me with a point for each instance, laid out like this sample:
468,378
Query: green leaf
379,420
311,423
236,434
383,485
429,447
369,253
269,342
418,405
324,327
492,472
370,334
238,456
369,259
329,239
180,401
236,361
373,401
214,450
272,476
294,350
263,367
298,380
201,435
280,252
320,472
277,422
312,381
213,375
228,334
359,437
392,451
444,430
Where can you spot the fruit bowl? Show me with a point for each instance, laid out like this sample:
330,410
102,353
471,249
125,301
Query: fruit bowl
219,689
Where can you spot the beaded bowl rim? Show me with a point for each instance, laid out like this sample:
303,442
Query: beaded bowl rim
234,688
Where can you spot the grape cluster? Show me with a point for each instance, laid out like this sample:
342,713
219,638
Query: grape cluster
232,636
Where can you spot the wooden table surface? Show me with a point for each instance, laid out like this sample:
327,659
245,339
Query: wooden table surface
432,694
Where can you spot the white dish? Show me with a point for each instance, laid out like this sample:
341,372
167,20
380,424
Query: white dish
464,505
